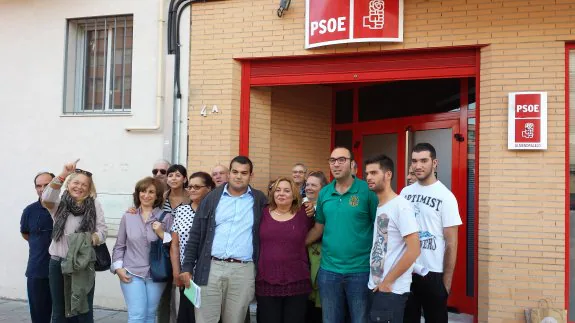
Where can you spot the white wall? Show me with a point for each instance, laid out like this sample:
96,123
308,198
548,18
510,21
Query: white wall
34,135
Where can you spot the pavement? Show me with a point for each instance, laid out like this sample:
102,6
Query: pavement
17,311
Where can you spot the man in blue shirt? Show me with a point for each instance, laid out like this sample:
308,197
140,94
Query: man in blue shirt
36,228
223,247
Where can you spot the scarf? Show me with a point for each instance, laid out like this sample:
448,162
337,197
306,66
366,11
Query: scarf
69,206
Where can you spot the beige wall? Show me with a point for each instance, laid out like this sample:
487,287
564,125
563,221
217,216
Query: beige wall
521,229
288,125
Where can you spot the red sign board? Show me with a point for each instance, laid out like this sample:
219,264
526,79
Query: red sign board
330,22
527,125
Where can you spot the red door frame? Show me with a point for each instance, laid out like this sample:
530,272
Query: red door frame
453,62
568,47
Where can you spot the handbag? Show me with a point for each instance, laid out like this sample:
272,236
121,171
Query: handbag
160,265
103,259
544,313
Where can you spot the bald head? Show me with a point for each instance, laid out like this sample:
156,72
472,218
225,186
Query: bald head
220,174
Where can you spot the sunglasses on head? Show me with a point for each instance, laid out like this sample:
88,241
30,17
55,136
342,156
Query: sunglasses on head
83,172
162,171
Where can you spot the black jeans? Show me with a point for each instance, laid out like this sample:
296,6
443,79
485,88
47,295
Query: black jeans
429,293
387,307
39,299
58,303
186,309
282,309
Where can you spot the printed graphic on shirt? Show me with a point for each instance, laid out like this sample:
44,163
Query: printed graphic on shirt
354,201
379,250
427,240
430,201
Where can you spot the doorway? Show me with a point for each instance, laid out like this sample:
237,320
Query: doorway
433,111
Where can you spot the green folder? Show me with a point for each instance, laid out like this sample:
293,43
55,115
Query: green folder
194,294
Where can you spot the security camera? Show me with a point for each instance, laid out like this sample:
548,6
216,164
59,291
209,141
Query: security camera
284,6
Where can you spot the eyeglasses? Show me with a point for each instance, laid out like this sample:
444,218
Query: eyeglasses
155,171
298,172
195,187
83,172
339,160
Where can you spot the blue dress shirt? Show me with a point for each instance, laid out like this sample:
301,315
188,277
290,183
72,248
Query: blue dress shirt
234,223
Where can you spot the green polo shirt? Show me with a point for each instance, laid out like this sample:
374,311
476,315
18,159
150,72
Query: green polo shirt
348,230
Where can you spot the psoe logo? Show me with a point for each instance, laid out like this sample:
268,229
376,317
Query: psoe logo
528,133
375,19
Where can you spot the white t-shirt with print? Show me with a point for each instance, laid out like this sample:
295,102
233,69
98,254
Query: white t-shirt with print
435,208
394,220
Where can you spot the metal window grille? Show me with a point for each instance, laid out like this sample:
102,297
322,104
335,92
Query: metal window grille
99,65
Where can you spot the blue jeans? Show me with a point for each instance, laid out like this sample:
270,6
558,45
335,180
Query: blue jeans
336,289
142,297
58,302
387,307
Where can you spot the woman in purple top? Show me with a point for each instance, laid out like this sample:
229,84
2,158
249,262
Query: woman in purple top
283,279
131,261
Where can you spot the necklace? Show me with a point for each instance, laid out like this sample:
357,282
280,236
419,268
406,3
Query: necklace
280,214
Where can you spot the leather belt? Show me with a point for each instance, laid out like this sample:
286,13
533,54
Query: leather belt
232,260
56,258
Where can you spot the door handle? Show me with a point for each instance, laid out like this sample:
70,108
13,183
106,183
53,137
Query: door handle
459,137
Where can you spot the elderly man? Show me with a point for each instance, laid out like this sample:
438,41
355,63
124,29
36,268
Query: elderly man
160,169
220,174
36,228
298,173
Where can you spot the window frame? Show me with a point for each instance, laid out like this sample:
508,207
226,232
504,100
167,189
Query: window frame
74,92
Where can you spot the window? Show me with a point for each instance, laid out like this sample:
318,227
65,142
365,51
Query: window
407,98
571,242
98,77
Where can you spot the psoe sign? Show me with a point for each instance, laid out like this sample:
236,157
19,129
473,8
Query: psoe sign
527,124
329,22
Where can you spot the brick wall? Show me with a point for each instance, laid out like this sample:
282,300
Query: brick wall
521,230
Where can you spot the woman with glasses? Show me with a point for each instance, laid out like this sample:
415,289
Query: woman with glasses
283,277
76,211
199,185
130,257
315,181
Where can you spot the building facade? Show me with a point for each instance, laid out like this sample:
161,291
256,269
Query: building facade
447,82
88,80
91,80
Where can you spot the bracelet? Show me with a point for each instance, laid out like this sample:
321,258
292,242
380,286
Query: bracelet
61,179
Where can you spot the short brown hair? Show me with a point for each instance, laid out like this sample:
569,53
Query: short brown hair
143,184
297,200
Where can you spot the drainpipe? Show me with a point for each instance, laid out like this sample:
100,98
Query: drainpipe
159,77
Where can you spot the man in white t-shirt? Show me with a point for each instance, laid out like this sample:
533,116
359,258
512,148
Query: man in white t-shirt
437,213
395,245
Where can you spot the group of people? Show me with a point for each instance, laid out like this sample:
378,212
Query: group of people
306,250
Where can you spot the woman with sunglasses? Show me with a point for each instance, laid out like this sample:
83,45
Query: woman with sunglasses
315,181
131,252
76,211
199,185
283,277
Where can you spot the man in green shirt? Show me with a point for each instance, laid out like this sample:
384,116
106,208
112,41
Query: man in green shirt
344,220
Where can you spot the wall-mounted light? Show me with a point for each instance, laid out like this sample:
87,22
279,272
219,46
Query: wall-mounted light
284,6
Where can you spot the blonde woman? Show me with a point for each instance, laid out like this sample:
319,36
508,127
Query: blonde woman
77,211
283,277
